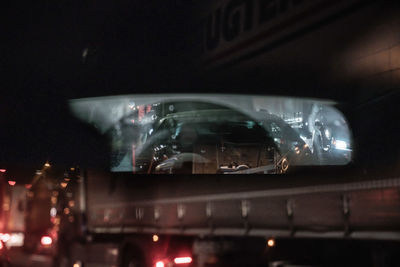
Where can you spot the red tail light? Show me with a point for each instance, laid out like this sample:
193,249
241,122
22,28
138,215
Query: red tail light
46,240
183,260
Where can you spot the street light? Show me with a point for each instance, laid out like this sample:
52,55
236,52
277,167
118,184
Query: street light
47,164
271,242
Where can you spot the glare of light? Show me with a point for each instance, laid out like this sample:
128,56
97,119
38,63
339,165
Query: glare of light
5,237
56,221
76,264
84,55
132,105
12,183
46,240
64,184
3,170
303,137
183,260
72,169
16,240
155,238
47,164
271,242
66,211
53,212
1,245
327,133
339,144
38,172
160,264
28,186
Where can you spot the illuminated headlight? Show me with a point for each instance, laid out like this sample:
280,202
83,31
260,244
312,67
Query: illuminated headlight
339,144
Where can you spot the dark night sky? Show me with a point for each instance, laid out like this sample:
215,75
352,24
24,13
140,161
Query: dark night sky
130,43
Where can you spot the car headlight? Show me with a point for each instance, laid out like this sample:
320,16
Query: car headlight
340,144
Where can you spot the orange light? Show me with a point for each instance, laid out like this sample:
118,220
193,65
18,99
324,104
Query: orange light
46,240
160,264
155,238
3,170
183,260
271,242
66,211
12,183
